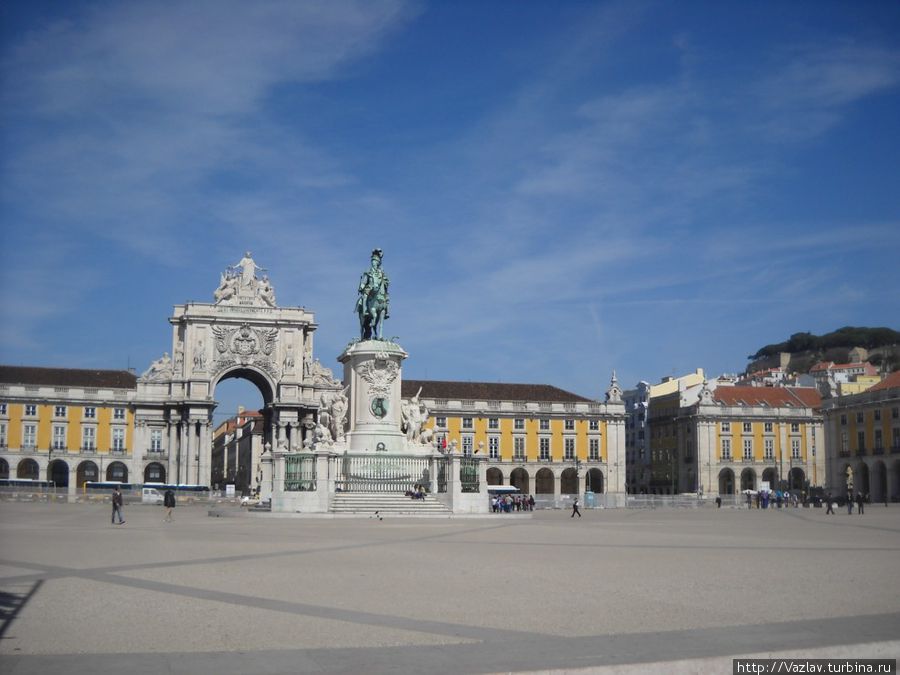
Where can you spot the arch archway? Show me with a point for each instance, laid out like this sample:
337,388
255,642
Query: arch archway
117,471
58,472
154,472
894,482
878,481
594,481
543,482
748,479
494,476
519,478
770,476
86,471
568,482
798,479
28,469
726,482
862,478
4,468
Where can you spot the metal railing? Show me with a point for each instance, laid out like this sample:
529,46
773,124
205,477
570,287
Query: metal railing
468,474
381,473
300,473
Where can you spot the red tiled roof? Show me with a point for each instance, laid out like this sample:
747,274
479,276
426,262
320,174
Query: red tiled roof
489,391
68,377
773,397
821,365
891,381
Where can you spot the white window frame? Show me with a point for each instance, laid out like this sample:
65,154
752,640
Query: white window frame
3,435
89,438
569,448
118,439
569,425
544,448
519,423
770,448
494,447
726,448
795,427
594,449
795,448
59,437
748,448
519,448
29,435
493,423
156,440
748,427
59,411
468,423
3,409
726,427
119,413
30,410
594,425
767,428
543,424
467,444
90,412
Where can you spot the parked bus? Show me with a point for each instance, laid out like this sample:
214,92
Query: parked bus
26,483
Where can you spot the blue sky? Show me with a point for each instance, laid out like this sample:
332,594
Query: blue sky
560,189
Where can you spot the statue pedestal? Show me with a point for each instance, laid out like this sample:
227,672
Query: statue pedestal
372,368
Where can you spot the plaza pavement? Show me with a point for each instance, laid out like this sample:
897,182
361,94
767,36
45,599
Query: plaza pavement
615,591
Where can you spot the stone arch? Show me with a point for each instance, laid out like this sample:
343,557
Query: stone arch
879,482
154,472
117,471
568,482
894,481
494,476
87,471
544,482
255,376
4,468
748,479
726,482
770,476
594,481
58,472
519,478
797,479
28,469
862,478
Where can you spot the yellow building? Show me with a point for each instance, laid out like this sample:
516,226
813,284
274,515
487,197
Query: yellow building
66,425
546,441
719,439
863,441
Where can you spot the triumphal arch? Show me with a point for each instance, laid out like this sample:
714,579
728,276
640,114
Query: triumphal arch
242,333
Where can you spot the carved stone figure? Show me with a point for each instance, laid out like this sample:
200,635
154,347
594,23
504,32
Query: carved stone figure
227,288
266,292
339,404
160,369
373,301
323,435
199,356
248,269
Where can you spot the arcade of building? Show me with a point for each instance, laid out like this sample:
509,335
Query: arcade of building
71,426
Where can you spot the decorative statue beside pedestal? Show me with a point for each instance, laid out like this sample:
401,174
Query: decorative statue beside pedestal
414,413
240,285
161,369
333,413
373,301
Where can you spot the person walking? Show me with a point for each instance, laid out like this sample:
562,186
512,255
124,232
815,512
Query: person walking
169,503
849,503
829,504
117,506
575,508
860,503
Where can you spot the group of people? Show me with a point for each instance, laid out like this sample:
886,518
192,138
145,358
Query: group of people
418,492
765,499
118,502
860,500
511,503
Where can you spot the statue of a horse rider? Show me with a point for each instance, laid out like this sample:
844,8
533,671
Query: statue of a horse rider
373,301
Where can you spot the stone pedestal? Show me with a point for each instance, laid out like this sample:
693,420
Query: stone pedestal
372,368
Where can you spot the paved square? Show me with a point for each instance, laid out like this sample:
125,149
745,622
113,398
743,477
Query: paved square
504,593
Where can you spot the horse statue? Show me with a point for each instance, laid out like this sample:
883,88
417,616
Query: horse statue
373,300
